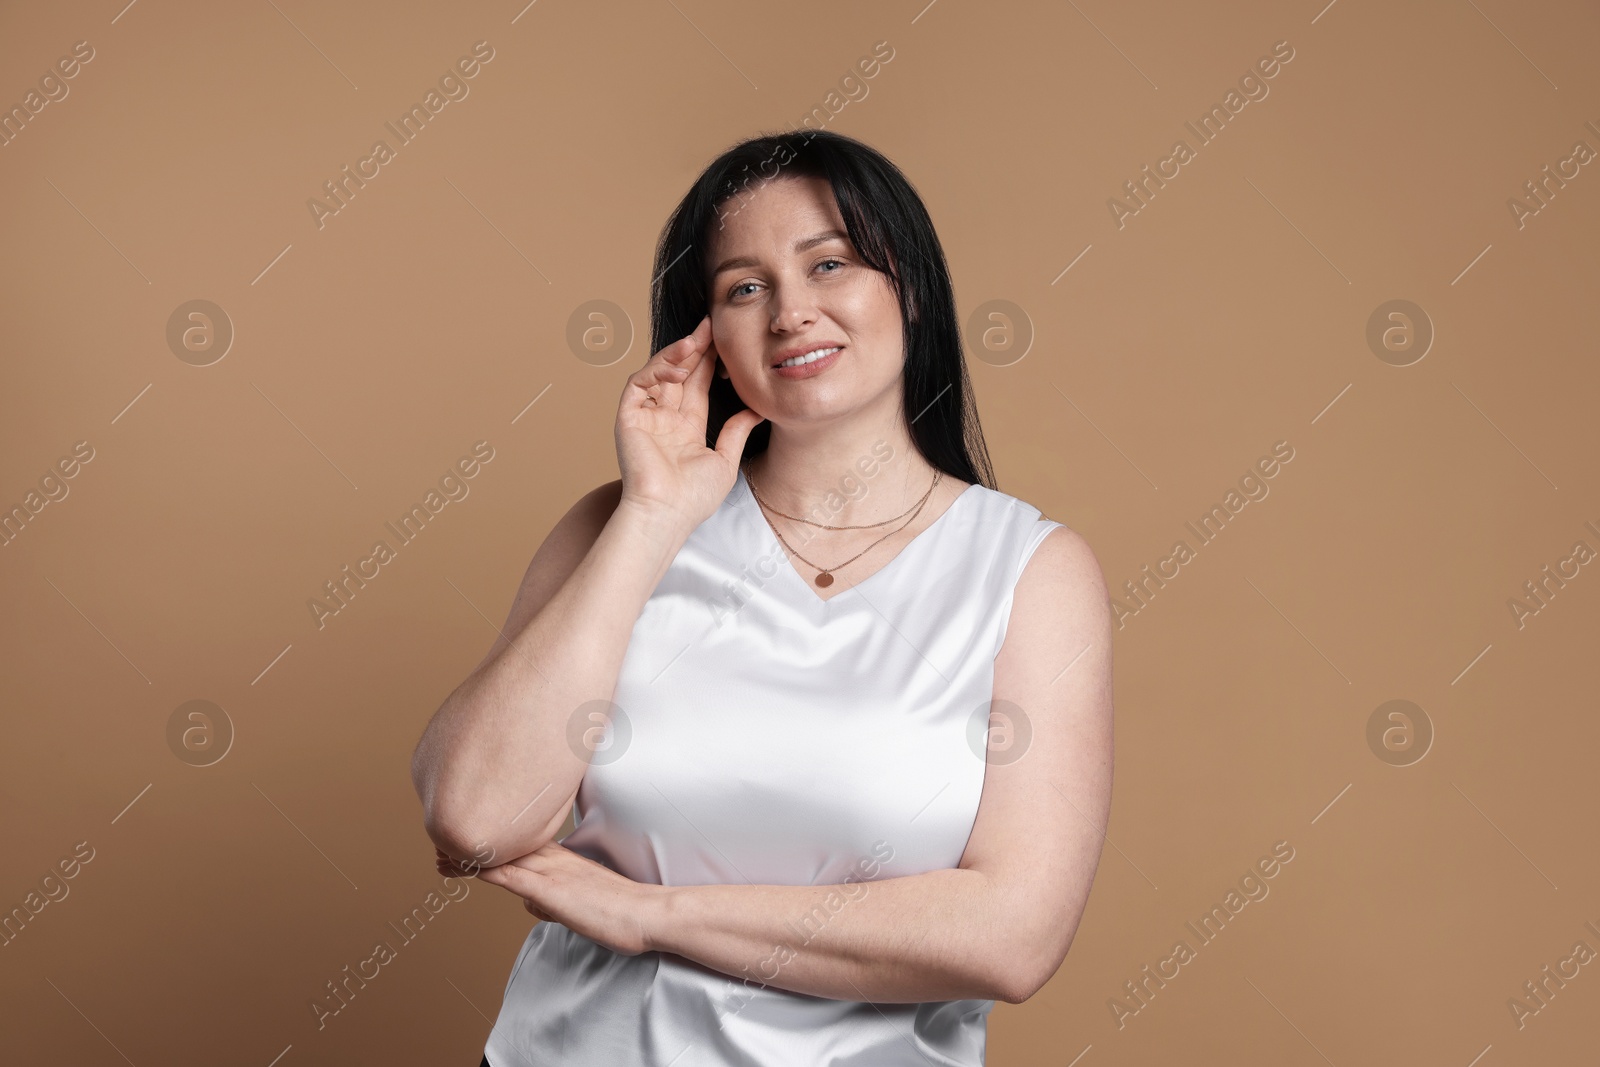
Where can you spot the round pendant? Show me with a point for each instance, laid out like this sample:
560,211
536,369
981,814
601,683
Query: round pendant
824,579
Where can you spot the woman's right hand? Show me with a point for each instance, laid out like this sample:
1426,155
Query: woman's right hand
661,433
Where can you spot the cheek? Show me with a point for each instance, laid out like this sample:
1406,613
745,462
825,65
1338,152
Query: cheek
871,306
736,338
872,311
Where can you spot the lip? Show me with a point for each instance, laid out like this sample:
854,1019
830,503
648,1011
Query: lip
800,350
808,370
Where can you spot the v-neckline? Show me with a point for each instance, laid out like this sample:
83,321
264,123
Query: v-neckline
800,579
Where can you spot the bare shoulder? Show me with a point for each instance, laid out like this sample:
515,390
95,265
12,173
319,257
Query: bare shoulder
563,548
1061,598
1065,565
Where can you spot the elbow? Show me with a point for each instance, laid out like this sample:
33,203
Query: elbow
1026,969
442,831
472,825
462,839
456,839
471,839
1014,988
1018,982
1008,975
446,821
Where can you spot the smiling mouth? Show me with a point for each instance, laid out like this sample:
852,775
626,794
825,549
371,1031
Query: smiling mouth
809,357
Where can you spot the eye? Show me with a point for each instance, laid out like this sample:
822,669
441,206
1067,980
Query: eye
735,292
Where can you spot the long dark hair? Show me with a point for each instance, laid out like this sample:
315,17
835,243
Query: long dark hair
890,228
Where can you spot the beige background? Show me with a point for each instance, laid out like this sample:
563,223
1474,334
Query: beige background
1229,314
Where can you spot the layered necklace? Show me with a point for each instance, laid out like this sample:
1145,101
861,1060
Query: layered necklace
824,576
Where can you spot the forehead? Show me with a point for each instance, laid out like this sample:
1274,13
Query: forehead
770,216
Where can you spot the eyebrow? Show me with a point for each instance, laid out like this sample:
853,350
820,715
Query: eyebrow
802,245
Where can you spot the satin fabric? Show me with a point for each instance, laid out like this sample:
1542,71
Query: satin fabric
766,736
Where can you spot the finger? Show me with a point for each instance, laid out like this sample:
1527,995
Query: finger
696,340
521,883
730,442
695,401
654,385
683,354
670,367
509,876
447,864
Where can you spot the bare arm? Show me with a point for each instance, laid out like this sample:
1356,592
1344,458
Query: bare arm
995,927
494,768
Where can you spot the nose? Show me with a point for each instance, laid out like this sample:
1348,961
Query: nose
792,309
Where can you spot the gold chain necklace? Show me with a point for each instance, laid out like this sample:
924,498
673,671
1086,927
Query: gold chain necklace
824,576
825,526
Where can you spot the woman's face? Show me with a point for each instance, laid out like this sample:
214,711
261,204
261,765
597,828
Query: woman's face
785,279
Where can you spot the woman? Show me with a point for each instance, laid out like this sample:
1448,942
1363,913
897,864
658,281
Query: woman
853,784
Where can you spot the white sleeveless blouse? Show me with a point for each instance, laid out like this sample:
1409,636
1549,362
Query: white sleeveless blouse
768,736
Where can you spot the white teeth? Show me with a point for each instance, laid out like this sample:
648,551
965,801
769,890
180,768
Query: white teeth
809,357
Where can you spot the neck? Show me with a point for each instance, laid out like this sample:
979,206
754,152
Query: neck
841,477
